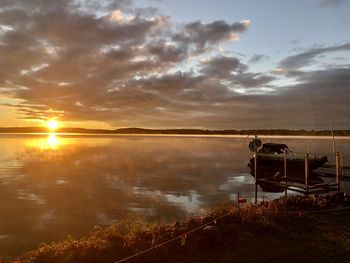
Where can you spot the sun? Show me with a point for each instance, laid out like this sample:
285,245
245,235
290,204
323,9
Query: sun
52,125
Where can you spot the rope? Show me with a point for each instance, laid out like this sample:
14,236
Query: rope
214,221
316,211
171,240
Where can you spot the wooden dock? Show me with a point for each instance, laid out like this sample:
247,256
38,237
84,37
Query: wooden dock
329,170
294,185
312,186
310,183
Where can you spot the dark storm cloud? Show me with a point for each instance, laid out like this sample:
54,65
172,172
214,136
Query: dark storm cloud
306,58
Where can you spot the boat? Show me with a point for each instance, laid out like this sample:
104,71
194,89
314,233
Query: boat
271,159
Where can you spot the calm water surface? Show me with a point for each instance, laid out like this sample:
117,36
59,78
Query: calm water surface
55,185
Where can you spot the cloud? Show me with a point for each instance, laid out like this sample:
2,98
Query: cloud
168,52
128,66
257,58
327,94
309,56
222,67
110,61
330,3
235,73
203,35
250,79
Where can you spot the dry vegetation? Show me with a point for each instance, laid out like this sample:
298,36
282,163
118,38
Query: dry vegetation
283,230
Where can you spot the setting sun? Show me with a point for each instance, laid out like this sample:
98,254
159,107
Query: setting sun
52,124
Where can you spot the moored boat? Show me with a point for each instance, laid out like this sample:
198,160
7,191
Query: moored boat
272,157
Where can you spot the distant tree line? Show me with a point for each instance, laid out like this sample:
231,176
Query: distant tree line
178,131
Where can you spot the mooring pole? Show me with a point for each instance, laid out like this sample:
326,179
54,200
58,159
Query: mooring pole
256,176
285,172
307,173
333,139
342,173
337,170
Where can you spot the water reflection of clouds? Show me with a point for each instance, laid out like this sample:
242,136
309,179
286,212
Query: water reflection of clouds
189,202
24,195
46,219
157,170
237,183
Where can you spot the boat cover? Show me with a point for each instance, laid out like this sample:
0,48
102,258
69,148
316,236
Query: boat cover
277,148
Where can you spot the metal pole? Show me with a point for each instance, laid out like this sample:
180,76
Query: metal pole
334,149
285,172
256,176
307,173
337,170
342,173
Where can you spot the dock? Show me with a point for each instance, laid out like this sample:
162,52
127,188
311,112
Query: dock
336,173
282,170
329,170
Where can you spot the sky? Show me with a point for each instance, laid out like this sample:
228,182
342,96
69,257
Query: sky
225,64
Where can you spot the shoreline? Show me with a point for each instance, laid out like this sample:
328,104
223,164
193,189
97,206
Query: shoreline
247,136
226,233
178,131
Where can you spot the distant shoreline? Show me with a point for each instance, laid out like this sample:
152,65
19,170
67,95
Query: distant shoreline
141,131
110,135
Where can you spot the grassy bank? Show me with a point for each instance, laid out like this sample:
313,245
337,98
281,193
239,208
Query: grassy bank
290,229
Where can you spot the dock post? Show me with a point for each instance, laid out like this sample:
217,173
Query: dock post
256,177
307,173
285,173
337,170
342,173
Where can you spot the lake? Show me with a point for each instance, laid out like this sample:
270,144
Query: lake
52,185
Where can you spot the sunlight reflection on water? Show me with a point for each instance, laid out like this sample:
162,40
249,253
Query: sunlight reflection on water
52,141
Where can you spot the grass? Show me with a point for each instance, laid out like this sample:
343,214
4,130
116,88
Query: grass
273,231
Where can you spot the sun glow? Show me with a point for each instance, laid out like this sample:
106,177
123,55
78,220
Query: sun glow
49,143
52,125
52,141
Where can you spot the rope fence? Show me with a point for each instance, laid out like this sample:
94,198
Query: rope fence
184,235
173,239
